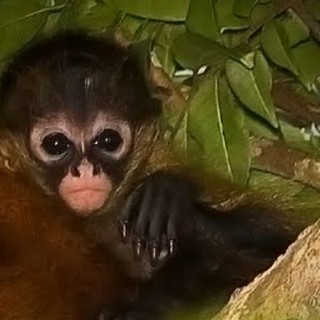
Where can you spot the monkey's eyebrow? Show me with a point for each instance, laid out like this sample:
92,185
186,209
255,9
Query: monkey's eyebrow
57,122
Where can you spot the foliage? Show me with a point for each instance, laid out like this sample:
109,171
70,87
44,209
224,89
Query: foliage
249,67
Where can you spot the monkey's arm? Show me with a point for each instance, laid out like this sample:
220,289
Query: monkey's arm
164,210
214,249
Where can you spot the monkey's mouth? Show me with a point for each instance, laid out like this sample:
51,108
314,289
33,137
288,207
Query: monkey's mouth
85,190
85,195
84,201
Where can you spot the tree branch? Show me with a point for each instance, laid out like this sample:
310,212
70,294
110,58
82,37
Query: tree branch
290,289
278,158
298,107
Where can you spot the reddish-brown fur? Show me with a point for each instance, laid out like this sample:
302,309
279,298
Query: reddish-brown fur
48,268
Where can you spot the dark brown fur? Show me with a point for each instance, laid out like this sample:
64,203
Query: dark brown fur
48,268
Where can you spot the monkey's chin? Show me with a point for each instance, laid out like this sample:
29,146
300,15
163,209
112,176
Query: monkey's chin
85,202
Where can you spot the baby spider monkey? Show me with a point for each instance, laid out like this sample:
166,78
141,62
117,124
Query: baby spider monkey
80,121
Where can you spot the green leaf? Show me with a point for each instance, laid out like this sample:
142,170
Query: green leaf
260,128
193,51
262,13
89,15
243,8
301,201
181,138
234,39
248,59
275,43
165,10
291,133
185,143
20,21
163,42
253,87
201,19
295,28
236,141
73,11
52,24
227,21
146,30
99,16
130,25
306,139
138,29
216,124
307,58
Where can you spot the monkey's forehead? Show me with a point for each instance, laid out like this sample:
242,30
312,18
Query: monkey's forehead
73,48
82,73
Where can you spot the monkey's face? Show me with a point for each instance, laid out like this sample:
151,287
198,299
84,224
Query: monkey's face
77,101
82,162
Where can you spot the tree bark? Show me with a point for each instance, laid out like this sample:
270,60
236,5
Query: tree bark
290,289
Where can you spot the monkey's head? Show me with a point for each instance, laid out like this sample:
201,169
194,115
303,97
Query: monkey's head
78,102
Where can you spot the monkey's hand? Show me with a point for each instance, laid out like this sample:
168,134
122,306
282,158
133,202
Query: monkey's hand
156,213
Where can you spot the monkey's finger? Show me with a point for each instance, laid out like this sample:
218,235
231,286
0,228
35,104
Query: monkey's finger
158,217
154,252
124,230
138,245
131,201
175,210
144,211
172,244
158,223
129,213
142,221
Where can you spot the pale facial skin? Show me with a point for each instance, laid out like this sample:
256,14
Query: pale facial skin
85,152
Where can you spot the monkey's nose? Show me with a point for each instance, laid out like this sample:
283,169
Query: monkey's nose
75,171
85,168
96,169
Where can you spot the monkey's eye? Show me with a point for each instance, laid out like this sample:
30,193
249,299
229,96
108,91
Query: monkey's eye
56,144
108,140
